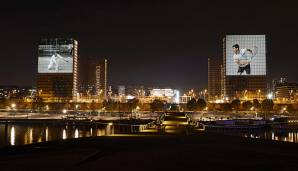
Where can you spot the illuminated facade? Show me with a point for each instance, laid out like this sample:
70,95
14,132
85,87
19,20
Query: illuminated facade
57,77
244,67
286,92
170,95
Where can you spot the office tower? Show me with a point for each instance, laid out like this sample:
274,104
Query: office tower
57,76
94,77
214,79
103,67
244,67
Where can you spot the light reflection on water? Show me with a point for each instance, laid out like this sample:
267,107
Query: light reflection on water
11,135
287,136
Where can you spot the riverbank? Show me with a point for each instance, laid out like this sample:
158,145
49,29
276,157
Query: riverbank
153,152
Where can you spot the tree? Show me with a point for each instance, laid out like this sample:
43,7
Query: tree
236,104
38,103
256,104
247,105
4,103
174,107
66,106
192,104
93,106
133,103
157,105
108,105
201,104
267,104
226,107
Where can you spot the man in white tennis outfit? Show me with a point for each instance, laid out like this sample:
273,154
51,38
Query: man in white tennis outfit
54,62
243,58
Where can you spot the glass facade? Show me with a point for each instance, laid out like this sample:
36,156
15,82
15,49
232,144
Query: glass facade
57,77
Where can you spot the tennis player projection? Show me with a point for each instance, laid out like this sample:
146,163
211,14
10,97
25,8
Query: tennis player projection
55,57
245,55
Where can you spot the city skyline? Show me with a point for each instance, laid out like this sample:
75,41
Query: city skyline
150,44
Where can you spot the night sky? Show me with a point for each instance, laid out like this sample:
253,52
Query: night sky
151,43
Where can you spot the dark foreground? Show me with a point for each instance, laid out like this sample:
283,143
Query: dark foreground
203,151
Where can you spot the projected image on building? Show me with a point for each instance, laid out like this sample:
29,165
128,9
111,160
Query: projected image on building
245,55
55,56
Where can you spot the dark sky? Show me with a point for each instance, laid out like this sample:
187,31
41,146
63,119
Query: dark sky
151,43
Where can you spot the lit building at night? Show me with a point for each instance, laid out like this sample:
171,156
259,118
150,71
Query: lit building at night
57,76
286,92
169,95
94,79
244,67
214,79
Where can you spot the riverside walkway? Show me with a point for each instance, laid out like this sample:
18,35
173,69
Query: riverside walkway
172,123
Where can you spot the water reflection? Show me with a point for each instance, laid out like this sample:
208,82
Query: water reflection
269,135
47,134
76,133
64,136
12,136
23,134
20,134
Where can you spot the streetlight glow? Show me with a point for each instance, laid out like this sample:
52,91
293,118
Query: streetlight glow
13,105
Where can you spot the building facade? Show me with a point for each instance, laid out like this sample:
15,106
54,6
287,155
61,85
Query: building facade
214,79
94,78
244,67
57,75
286,92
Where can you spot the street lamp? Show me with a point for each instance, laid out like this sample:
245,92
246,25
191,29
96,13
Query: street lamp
13,105
270,96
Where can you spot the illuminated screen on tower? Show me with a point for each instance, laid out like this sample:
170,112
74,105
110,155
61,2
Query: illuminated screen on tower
245,55
55,56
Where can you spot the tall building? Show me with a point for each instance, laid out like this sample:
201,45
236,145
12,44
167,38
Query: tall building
244,67
94,76
103,67
214,79
57,76
285,91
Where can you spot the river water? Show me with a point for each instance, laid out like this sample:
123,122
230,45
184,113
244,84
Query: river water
21,134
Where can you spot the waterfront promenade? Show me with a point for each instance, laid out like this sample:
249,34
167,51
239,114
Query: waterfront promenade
153,152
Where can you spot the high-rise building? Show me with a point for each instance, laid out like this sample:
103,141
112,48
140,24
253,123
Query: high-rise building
244,67
214,79
57,76
103,67
94,75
